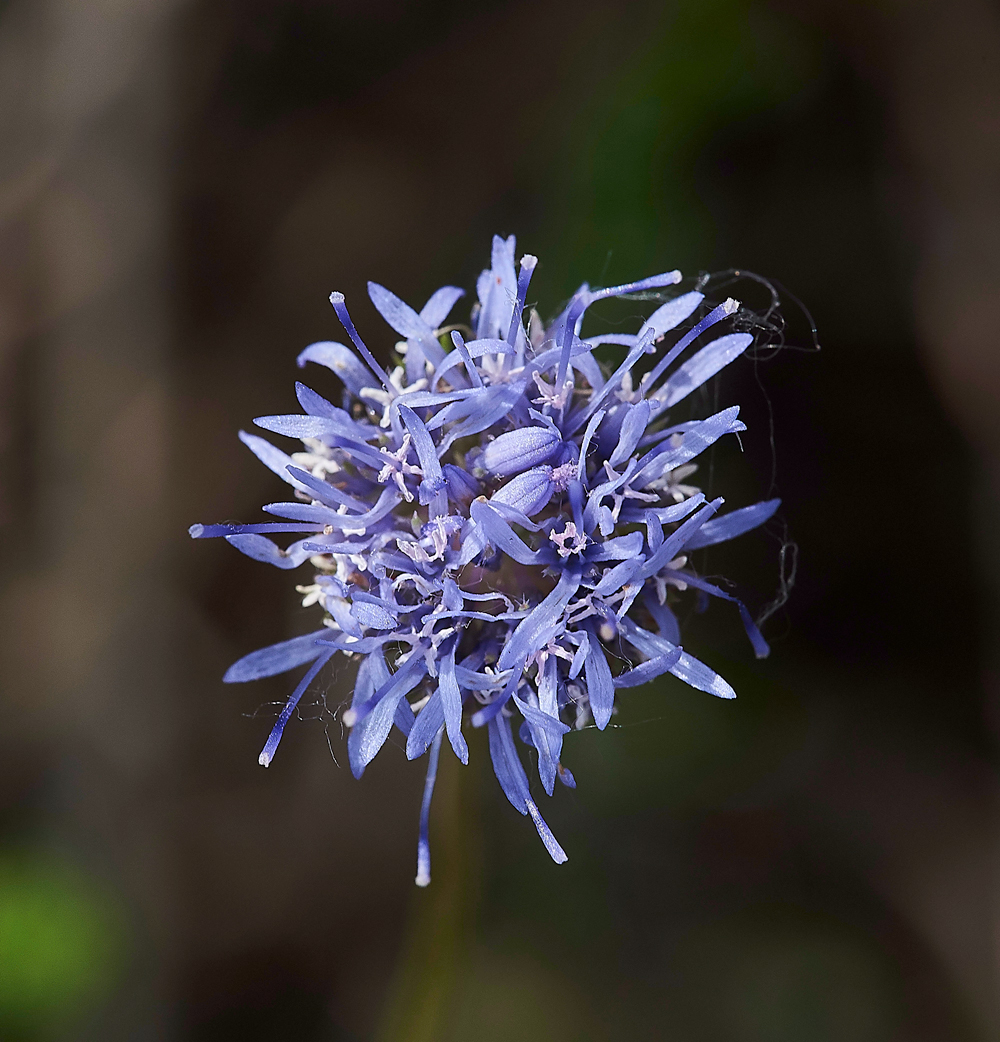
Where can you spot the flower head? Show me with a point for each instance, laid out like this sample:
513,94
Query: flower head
498,528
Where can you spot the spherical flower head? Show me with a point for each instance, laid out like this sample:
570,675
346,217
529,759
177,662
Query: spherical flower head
498,528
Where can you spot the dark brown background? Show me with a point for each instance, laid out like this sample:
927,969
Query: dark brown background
183,185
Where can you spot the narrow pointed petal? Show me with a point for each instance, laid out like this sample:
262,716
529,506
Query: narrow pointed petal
276,658
423,842
735,523
649,670
369,734
262,549
437,309
451,702
556,852
671,314
632,429
760,646
271,745
397,313
535,631
600,686
426,727
500,535
353,373
274,459
705,364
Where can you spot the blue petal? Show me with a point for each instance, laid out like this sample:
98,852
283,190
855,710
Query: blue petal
315,404
451,701
688,668
518,450
617,577
477,414
385,505
664,618
426,727
556,852
498,291
703,366
760,646
262,549
620,548
439,306
527,492
677,540
364,645
271,745
372,674
716,315
215,531
671,314
650,669
462,486
546,736
514,782
426,452
303,512
353,373
324,491
600,685
423,842
664,515
632,429
274,459
276,658
398,314
302,427
507,764
369,734
474,349
735,523
373,616
535,631
500,535
695,441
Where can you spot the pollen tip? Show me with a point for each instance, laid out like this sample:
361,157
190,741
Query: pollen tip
731,306
264,760
350,717
423,879
195,531
336,297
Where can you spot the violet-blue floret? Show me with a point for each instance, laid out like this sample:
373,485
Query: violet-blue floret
498,529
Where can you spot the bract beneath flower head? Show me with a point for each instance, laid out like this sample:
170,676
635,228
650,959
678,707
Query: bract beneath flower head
500,530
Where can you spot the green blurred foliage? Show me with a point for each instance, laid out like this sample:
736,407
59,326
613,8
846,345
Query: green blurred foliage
62,945
681,750
782,974
627,173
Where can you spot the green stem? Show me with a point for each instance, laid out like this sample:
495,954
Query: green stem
426,978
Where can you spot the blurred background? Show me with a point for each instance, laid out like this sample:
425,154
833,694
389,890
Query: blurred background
183,184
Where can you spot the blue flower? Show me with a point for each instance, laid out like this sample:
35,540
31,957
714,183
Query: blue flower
499,531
